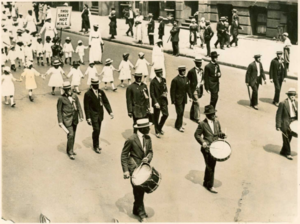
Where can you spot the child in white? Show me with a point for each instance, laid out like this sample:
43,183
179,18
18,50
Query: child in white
28,54
141,66
107,72
19,47
91,72
7,86
34,43
77,76
39,50
12,56
125,69
47,49
80,50
68,49
56,79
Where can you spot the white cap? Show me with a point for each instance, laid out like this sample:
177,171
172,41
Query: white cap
6,68
80,41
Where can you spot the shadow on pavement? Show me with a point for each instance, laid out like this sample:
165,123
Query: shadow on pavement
62,147
88,142
276,149
245,103
266,100
125,205
197,177
127,133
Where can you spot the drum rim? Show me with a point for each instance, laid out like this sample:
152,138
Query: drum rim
140,168
221,141
224,159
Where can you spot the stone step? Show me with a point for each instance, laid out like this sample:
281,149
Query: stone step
184,27
191,17
188,20
185,24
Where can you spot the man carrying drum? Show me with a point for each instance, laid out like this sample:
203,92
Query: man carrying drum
287,112
210,128
137,149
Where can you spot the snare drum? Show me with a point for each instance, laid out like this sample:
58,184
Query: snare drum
146,177
220,150
294,128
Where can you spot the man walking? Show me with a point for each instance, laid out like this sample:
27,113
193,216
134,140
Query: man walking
287,112
195,77
68,112
159,96
212,74
130,20
137,98
254,75
234,30
179,90
161,28
208,34
221,33
94,100
175,38
277,75
150,29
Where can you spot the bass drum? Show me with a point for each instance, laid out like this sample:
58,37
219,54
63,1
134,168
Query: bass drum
220,150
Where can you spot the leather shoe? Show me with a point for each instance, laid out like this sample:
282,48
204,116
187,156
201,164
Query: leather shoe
71,157
74,154
276,104
255,107
162,132
157,135
181,129
212,190
289,157
97,151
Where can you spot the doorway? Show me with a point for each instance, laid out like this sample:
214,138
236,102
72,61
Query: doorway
258,17
193,5
226,11
292,23
153,7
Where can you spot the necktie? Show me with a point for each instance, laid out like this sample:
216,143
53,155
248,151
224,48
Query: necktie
144,143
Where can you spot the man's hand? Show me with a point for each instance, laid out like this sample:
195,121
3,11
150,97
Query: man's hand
130,115
208,91
157,106
284,79
81,119
271,80
145,160
277,129
204,145
89,121
247,84
126,175
111,115
60,124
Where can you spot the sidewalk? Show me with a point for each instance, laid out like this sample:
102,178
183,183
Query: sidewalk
239,57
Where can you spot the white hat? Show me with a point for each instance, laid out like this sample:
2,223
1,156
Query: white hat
285,34
193,20
68,38
141,54
107,61
292,91
142,123
198,59
6,68
159,40
80,41
66,4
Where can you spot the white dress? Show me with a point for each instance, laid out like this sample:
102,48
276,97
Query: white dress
108,72
49,29
77,75
19,50
22,23
56,79
68,49
12,56
80,50
141,66
30,20
125,70
30,74
34,43
158,60
139,28
8,87
48,49
95,41
39,48
28,53
5,39
92,73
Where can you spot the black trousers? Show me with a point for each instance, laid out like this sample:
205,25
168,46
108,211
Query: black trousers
207,42
180,112
254,97
165,114
71,139
175,46
277,85
234,40
138,204
151,39
96,133
286,146
214,99
130,24
210,163
220,40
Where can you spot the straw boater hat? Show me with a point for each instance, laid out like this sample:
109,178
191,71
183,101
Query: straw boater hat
222,18
257,56
209,109
214,54
56,62
108,61
279,52
150,15
181,68
193,20
143,123
138,74
95,81
234,10
292,91
198,59
68,38
158,69
66,85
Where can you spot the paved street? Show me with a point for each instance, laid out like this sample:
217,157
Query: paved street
255,185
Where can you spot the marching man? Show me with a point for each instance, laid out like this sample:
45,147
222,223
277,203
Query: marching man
96,45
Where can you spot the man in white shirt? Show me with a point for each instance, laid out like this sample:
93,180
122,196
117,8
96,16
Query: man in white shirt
287,113
130,20
286,49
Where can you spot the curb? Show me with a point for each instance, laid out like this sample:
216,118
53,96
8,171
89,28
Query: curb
170,52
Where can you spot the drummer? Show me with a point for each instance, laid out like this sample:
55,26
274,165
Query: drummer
137,149
209,130
287,112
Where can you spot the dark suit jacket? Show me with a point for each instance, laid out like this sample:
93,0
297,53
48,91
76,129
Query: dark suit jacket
161,28
133,153
251,74
151,26
283,115
234,29
211,80
175,34
66,112
192,77
137,103
220,28
93,109
277,70
126,15
208,135
156,91
179,90
208,33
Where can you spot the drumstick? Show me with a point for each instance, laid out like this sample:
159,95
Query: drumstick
284,135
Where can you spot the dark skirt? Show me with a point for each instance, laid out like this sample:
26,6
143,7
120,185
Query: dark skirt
85,20
113,26
193,37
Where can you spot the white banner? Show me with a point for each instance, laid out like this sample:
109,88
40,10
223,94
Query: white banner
63,16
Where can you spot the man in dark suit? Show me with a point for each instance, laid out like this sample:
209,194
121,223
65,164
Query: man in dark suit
210,128
254,75
278,74
137,149
179,91
287,112
208,34
137,98
130,15
212,74
68,111
161,28
94,100
159,95
195,77
221,32
175,38
234,30
150,29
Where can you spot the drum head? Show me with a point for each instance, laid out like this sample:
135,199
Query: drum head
294,126
141,174
220,149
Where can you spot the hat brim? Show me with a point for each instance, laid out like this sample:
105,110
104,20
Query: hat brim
212,112
143,126
195,60
291,93
56,63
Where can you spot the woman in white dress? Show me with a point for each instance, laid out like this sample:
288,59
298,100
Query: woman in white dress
138,22
7,86
96,45
158,59
91,72
108,74
125,69
141,66
30,22
56,79
77,76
